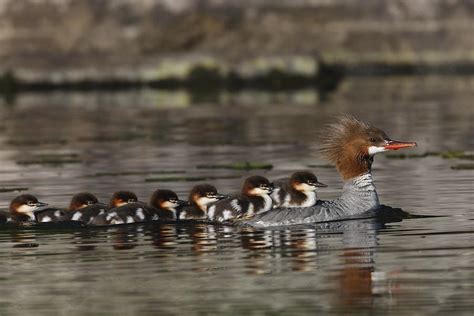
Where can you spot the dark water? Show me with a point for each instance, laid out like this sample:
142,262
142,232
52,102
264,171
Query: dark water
134,140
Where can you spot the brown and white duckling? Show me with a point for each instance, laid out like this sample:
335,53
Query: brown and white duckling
200,197
22,210
87,214
299,190
163,206
255,198
167,204
79,201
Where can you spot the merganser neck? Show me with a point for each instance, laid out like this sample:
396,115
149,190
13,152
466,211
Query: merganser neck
358,196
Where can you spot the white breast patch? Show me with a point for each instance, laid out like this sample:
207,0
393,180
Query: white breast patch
110,216
227,215
77,216
211,212
140,214
268,203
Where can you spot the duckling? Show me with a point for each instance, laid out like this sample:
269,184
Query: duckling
80,200
22,210
254,199
299,190
200,197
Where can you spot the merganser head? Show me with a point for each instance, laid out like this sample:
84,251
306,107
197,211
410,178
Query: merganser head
202,195
167,200
305,181
121,198
351,144
26,204
81,200
257,186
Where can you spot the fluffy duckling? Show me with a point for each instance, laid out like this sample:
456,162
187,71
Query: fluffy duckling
200,197
299,190
255,198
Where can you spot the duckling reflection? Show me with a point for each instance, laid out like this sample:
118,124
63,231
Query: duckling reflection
124,237
164,236
258,242
301,245
202,237
24,239
85,240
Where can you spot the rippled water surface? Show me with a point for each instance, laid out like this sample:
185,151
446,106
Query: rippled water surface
143,140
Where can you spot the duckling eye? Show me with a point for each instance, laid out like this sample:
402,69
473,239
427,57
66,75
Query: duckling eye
131,200
372,140
30,203
173,201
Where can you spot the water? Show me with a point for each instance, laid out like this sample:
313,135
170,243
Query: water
417,266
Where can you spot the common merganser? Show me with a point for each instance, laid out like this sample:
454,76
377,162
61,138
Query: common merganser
299,190
255,198
200,197
22,210
350,144
78,201
87,214
163,206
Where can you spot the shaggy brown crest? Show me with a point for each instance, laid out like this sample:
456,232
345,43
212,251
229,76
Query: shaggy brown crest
346,142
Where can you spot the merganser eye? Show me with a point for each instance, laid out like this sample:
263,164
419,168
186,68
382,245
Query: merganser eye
372,140
131,200
31,203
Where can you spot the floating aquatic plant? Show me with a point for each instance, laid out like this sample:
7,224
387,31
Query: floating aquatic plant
247,165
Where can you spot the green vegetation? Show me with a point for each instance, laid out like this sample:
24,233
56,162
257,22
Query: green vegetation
190,178
327,166
13,189
51,159
133,173
450,154
113,138
468,166
36,142
247,165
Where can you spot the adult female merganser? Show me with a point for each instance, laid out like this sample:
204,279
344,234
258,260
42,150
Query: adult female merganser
87,214
255,198
22,210
163,206
200,197
350,144
79,201
299,190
